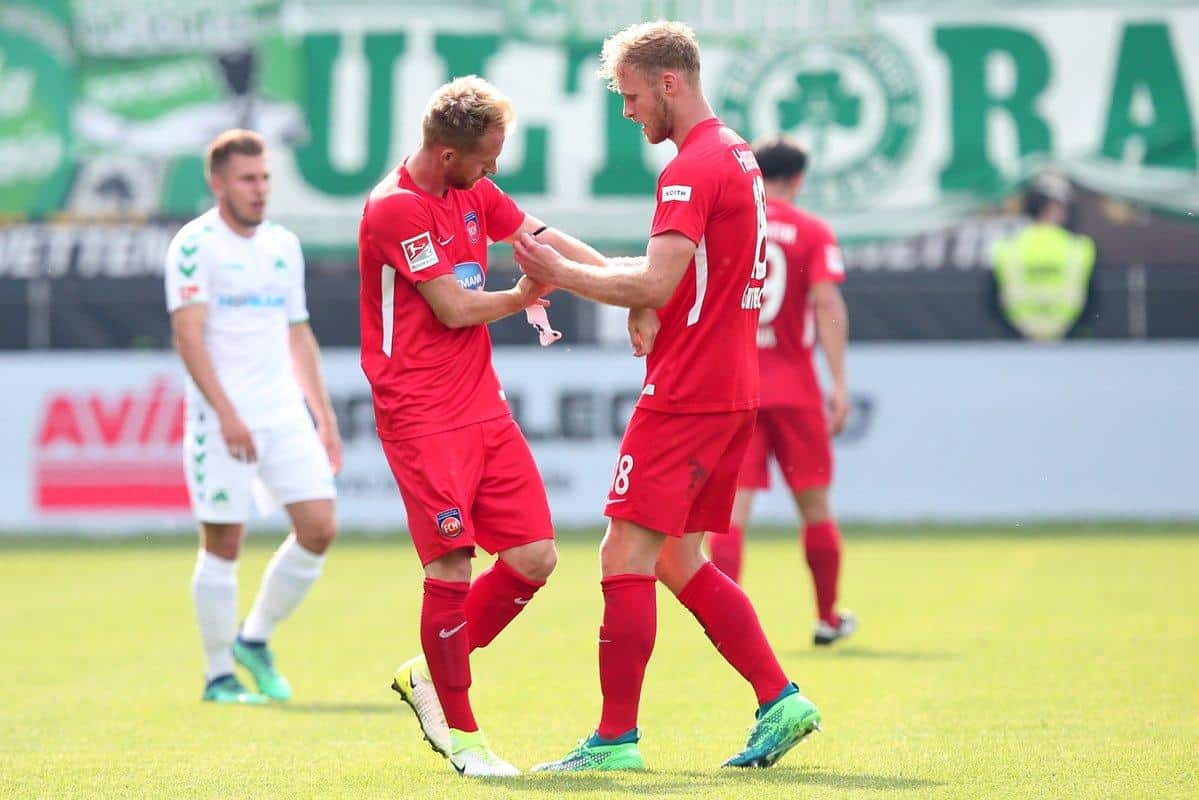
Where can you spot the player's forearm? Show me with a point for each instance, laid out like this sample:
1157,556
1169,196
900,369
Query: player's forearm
198,362
572,248
306,365
626,282
832,330
483,308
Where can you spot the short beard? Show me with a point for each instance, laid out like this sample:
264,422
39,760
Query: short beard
243,221
662,117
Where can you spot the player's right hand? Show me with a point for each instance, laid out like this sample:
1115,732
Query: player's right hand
238,439
644,325
838,409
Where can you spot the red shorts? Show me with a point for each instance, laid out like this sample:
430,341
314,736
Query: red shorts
476,485
677,473
799,439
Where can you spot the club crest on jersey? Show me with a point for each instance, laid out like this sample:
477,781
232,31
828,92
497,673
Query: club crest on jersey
419,252
472,226
449,522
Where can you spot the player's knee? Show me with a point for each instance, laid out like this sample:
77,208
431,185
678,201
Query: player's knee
675,569
813,505
453,567
534,561
316,537
223,540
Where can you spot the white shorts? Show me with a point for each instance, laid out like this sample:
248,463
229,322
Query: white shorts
292,466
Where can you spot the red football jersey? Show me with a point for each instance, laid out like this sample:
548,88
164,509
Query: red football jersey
426,378
800,251
704,359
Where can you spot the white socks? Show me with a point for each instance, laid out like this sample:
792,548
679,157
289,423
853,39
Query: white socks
287,579
214,591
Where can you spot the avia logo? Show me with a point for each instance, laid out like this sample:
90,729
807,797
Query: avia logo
102,451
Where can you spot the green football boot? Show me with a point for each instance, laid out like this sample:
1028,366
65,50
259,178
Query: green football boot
257,658
228,689
472,757
782,723
596,754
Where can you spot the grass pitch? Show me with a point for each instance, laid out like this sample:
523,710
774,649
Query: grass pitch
1054,662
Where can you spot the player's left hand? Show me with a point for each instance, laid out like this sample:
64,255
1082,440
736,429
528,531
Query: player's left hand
533,292
838,409
331,439
538,261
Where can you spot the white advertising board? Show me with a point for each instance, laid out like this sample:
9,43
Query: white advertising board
940,432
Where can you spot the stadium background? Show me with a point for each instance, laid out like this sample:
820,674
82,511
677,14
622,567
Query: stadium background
1005,659
925,122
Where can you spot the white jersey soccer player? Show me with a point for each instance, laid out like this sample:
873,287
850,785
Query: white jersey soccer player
235,290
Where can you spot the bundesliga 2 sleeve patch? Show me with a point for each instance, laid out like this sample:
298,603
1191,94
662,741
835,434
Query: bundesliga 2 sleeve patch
419,252
681,194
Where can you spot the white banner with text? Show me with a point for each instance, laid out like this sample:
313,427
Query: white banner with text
944,432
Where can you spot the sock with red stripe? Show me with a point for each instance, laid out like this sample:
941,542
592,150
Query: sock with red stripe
730,621
822,547
626,640
446,645
727,550
494,600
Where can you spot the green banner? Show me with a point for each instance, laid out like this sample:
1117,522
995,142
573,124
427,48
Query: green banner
916,114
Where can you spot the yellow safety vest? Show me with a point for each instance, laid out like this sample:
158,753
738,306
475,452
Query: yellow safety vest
1043,273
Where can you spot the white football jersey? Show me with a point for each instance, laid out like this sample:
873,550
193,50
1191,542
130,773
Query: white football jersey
254,290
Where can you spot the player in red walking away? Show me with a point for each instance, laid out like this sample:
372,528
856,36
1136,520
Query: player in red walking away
801,305
677,469
462,465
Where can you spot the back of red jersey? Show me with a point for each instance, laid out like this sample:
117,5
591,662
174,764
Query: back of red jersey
705,359
800,252
425,377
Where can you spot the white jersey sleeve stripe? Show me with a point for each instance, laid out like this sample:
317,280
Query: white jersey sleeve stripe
389,301
701,282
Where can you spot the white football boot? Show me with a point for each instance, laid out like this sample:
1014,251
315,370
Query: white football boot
414,685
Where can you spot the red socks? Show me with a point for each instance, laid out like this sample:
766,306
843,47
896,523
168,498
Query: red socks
822,546
457,618
727,550
446,643
626,640
495,598
731,623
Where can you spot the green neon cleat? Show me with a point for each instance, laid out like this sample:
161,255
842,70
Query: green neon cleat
257,658
596,754
471,757
782,724
228,689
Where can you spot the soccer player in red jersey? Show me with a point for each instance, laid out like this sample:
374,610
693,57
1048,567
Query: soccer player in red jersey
677,469
462,465
801,305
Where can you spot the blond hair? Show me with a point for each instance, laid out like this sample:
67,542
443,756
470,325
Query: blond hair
463,110
652,48
235,140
